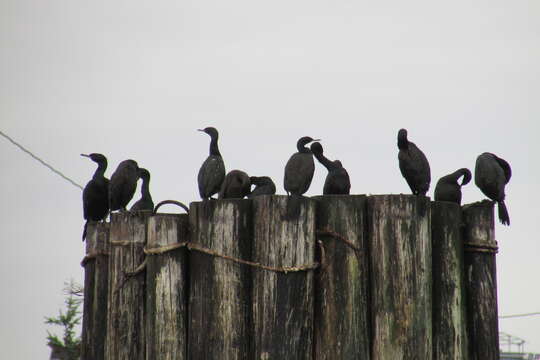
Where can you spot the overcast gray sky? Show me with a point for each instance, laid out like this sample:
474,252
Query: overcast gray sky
135,79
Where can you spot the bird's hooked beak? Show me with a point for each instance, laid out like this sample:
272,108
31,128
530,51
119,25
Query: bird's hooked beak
85,155
201,130
315,140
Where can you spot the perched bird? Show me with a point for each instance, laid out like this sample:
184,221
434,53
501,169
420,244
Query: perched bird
449,189
300,168
337,181
413,164
212,171
123,184
235,186
263,186
145,202
491,174
96,193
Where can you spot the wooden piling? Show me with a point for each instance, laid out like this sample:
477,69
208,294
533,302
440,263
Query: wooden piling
126,336
449,312
96,273
481,281
283,302
400,271
341,295
219,296
166,287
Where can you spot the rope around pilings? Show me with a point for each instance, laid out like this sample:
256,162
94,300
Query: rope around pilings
337,236
195,247
490,249
92,256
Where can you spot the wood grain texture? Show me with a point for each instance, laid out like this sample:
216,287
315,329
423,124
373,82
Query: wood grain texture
126,336
341,295
481,282
449,311
283,303
96,274
219,297
166,289
400,270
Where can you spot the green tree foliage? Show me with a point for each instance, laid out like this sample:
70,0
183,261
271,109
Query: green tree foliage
70,343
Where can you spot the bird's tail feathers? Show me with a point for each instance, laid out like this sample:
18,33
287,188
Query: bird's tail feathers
504,218
293,207
84,230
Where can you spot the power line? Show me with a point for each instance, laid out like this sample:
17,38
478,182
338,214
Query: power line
519,315
38,159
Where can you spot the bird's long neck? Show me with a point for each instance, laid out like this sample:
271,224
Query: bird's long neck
100,171
214,149
145,188
301,146
327,163
403,143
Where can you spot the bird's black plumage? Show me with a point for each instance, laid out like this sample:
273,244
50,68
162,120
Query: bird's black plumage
212,172
123,184
299,169
235,186
145,202
96,192
337,181
449,189
413,164
491,174
263,186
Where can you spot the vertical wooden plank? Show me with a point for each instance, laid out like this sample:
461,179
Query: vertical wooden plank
219,296
341,296
400,270
126,303
481,281
449,312
166,288
283,302
96,274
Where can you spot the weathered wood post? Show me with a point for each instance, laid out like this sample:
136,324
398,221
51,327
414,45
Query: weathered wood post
96,274
341,296
481,281
283,302
219,295
126,334
400,270
166,287
449,314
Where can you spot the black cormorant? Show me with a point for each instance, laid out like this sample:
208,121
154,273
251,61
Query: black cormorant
449,189
123,184
96,192
337,181
212,171
491,174
235,186
300,168
413,164
263,186
145,202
